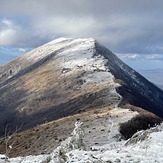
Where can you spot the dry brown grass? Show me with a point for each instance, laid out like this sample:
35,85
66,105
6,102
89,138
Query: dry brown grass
44,138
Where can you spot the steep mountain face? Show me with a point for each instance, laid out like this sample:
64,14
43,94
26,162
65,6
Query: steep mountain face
68,76
141,92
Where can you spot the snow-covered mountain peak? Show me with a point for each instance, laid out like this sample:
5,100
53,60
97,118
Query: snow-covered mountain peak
59,44
87,63
69,77
79,56
67,39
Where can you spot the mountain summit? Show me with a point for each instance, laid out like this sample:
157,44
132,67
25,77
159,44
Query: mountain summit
69,76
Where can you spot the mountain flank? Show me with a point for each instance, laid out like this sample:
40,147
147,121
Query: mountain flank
69,76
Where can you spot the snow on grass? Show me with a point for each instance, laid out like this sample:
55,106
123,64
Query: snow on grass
30,159
81,56
146,151
52,47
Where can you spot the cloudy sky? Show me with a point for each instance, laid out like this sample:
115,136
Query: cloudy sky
130,28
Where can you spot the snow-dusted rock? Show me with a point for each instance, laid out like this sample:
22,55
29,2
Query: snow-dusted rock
141,135
75,141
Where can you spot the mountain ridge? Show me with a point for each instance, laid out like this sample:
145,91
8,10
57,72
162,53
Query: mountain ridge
69,76
123,75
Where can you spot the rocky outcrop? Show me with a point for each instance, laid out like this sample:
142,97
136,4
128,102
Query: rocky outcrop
142,135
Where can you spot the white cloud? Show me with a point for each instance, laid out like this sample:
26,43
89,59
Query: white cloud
154,57
7,22
14,34
53,26
22,49
129,56
7,36
9,32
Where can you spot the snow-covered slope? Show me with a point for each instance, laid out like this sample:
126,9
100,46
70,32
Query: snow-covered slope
148,150
143,147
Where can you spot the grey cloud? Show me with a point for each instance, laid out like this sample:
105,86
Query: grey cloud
123,26
13,34
71,7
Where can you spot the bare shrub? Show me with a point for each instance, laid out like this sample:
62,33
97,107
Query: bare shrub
9,143
141,121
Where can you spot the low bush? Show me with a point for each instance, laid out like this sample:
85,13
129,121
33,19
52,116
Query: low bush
141,121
